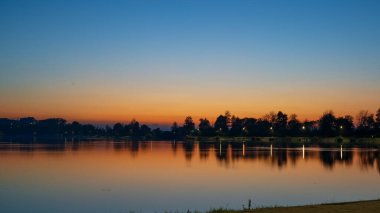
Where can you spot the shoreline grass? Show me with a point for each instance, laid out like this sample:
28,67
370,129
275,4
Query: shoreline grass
354,206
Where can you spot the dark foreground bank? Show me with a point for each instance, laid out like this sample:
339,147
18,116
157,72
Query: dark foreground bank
360,206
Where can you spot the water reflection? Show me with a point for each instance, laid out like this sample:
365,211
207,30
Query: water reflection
152,176
368,159
225,153
188,148
204,150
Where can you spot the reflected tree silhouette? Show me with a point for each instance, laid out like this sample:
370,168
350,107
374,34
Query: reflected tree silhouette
294,155
204,150
329,158
188,148
134,147
225,153
221,152
280,158
145,145
174,147
368,159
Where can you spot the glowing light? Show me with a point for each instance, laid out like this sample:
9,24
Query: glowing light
271,152
303,151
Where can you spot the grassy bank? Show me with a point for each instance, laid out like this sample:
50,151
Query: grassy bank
360,206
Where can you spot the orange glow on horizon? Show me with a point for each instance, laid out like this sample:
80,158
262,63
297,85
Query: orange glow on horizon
107,104
164,118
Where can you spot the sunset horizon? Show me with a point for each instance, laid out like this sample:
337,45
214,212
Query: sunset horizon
196,106
180,60
167,121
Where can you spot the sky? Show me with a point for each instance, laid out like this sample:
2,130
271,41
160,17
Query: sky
159,61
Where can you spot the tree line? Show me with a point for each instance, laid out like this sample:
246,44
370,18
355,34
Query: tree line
281,125
272,124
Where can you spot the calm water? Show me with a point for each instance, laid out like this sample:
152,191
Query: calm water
158,176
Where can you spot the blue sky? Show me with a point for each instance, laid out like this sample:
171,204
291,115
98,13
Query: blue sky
150,48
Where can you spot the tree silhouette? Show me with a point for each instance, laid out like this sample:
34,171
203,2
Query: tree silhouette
250,126
280,123
225,125
236,126
378,124
145,131
378,118
189,125
174,129
310,128
118,129
366,123
134,127
221,125
327,124
205,128
345,125
270,117
264,127
228,117
294,126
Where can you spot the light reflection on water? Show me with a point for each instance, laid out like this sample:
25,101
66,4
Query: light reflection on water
157,176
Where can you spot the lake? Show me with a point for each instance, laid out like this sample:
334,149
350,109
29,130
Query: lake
111,176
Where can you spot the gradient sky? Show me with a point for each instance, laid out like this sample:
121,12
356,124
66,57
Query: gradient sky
158,61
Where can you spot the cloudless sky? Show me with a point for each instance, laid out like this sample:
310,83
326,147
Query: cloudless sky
158,61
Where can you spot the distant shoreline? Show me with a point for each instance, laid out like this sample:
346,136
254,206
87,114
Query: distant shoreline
344,141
